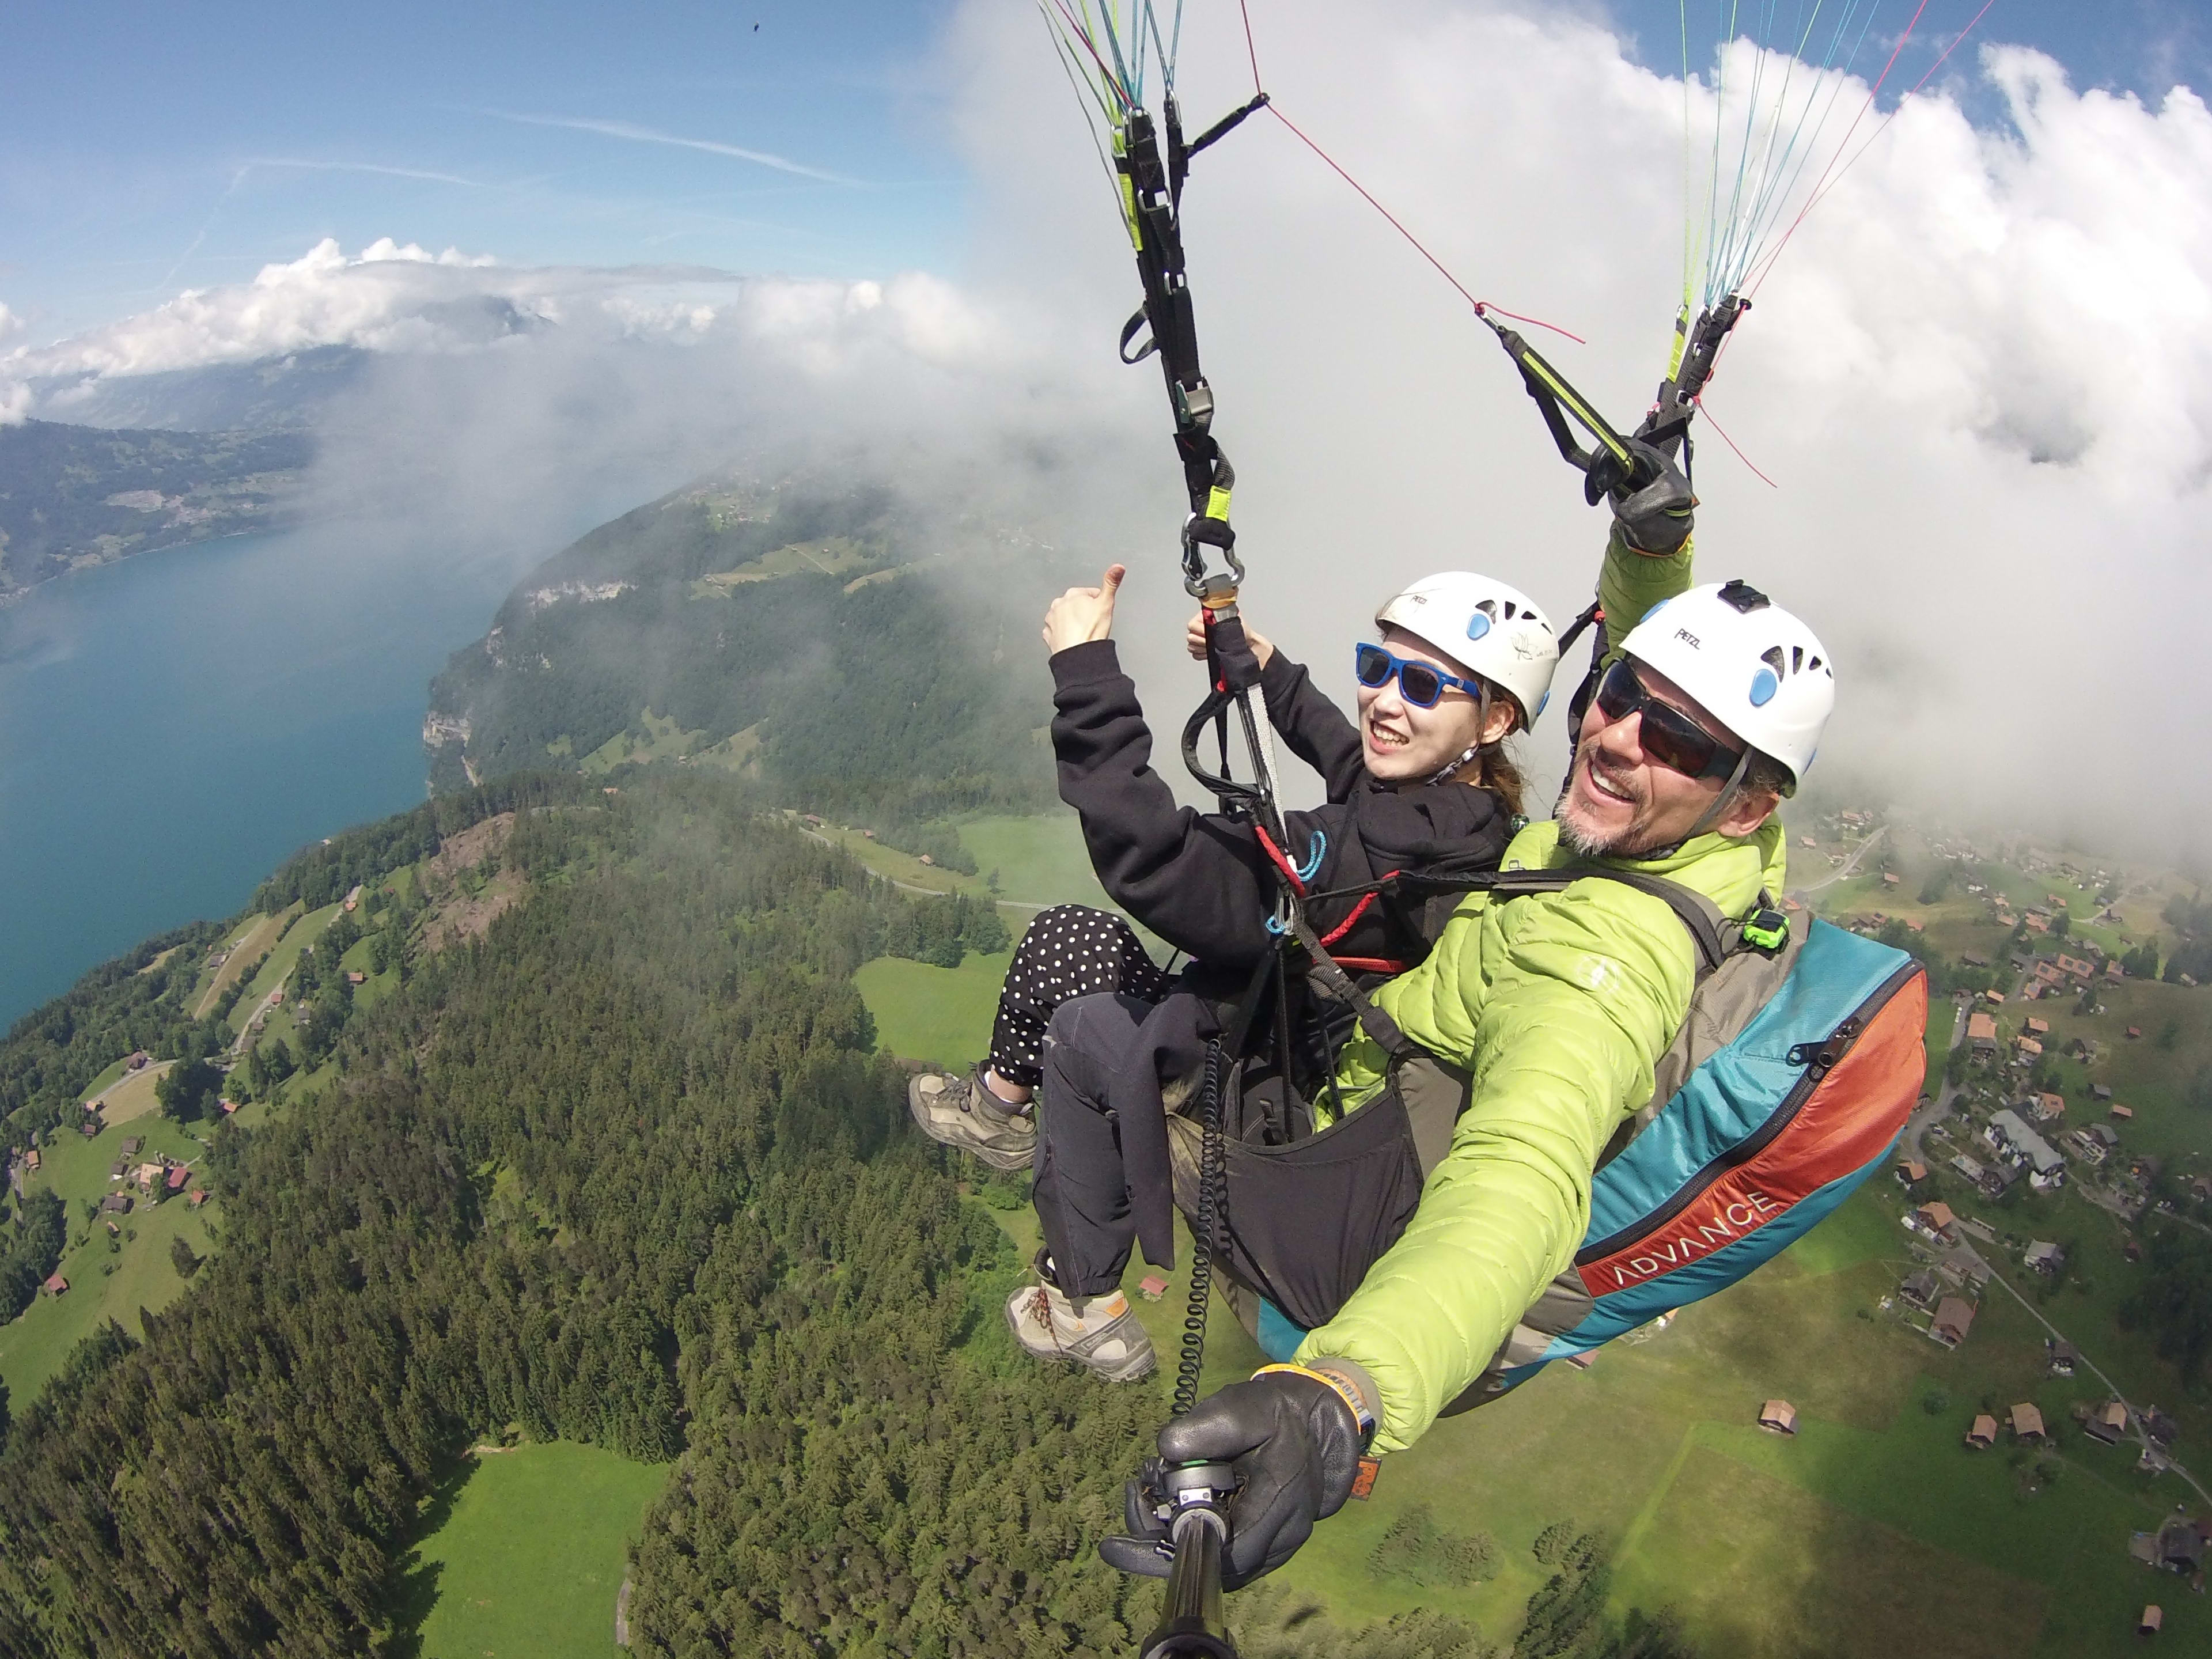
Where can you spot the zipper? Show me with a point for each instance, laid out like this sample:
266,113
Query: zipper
1818,1059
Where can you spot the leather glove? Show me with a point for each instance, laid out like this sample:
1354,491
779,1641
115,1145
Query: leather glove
1655,518
1294,1446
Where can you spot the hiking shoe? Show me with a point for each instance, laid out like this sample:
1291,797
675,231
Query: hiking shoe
1098,1333
959,1111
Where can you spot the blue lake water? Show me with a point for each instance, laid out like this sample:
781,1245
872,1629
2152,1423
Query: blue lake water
172,726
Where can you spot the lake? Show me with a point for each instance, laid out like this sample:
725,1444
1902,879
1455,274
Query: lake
172,726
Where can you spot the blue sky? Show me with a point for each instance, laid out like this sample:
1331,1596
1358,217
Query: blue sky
146,148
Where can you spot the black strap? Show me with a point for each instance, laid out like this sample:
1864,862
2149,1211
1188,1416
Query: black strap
1711,932
1378,1026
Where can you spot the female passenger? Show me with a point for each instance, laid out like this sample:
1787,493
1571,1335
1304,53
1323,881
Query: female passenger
1423,782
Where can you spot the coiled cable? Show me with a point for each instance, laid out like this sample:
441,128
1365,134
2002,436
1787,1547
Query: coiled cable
1212,1161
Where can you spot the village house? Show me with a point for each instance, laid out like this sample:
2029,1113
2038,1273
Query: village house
116,1204
2108,1423
1152,1287
178,1176
1974,959
131,1145
1963,1266
2180,1546
2037,1028
1778,1417
1982,1035
56,1286
2026,1424
31,1159
2009,1135
2135,1030
1968,1167
2154,1617
2045,1257
1955,1317
1919,1289
1983,1434
1993,995
2048,1108
2062,1355
1910,1172
2122,1113
1934,1220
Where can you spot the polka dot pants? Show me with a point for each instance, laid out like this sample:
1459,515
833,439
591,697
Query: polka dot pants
1070,951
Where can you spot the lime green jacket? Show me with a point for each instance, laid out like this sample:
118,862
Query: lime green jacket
1559,1005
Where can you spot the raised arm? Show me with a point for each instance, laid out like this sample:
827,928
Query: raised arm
1195,881
1311,725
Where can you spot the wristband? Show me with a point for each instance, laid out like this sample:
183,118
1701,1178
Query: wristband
1361,1417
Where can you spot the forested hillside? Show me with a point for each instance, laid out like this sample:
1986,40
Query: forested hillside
808,633
74,495
624,1170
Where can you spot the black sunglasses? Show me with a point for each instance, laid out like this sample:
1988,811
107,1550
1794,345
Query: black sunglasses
1669,736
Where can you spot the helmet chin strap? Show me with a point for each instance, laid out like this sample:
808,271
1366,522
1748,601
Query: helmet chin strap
1450,769
1712,814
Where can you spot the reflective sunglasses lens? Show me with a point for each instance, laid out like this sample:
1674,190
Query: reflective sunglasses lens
1371,664
1421,684
1675,741
1620,692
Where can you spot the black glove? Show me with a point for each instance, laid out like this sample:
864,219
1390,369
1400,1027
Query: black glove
1294,1446
1655,516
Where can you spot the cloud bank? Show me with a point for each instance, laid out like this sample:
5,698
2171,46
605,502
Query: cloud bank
1981,377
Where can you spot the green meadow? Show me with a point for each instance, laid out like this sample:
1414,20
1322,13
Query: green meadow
527,1555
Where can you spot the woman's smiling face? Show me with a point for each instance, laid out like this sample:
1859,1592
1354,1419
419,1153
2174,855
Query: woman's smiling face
1403,741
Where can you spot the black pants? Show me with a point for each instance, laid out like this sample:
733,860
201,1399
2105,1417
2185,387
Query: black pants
1307,1213
1079,1185
1070,951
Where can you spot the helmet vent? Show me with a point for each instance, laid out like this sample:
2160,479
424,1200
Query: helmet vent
1797,657
1815,663
1772,658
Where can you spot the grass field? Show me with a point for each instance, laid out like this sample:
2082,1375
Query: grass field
134,1096
246,947
301,934
938,1014
104,1282
527,1559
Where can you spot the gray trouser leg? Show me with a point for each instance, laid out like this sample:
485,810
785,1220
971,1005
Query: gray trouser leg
1080,1189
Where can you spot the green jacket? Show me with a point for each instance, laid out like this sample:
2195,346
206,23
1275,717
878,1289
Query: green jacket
1559,1005
1630,584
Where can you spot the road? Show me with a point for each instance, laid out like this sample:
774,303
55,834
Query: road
1927,1118
927,892
2135,1418
1848,867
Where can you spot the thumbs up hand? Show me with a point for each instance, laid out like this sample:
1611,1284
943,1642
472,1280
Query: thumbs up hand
1084,614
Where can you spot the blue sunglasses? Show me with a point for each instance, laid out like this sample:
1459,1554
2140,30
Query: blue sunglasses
1419,683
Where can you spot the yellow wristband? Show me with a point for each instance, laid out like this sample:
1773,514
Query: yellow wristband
1361,1417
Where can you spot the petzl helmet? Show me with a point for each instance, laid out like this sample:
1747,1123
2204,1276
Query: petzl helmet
1756,668
1486,626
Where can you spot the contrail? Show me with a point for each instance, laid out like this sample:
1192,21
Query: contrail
648,135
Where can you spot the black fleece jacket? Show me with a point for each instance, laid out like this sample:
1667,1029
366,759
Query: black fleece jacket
1200,881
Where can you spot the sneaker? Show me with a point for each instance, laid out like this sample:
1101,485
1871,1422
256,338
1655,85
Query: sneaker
1098,1333
959,1111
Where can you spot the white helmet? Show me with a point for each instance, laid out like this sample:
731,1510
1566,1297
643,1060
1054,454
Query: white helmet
1755,668
1496,630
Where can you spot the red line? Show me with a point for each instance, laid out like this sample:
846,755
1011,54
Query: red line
1251,51
1730,442
1486,308
1482,307
1277,109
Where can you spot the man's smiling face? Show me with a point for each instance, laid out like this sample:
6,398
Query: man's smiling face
1620,802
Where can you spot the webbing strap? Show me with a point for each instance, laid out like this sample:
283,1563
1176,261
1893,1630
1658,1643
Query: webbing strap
1378,1026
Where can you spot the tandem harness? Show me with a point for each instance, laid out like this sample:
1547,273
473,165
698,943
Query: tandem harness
1791,1079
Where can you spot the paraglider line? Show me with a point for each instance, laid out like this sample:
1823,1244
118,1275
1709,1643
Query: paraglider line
1731,443
1250,50
1821,184
1822,189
